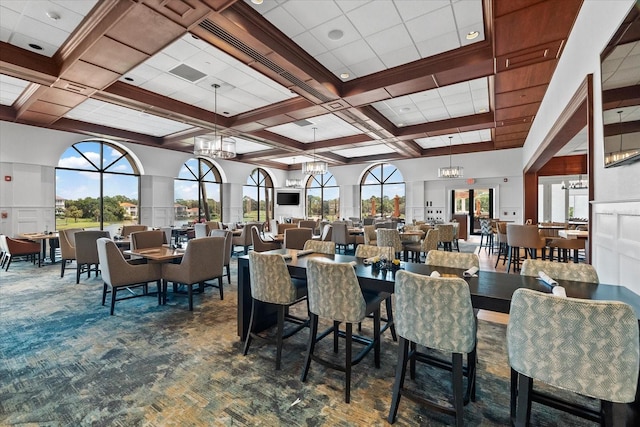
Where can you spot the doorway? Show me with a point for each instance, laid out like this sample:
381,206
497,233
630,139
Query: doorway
476,203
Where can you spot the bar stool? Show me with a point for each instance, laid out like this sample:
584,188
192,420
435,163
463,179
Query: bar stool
527,238
486,235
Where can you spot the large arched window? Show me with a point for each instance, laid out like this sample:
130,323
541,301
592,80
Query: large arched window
323,197
257,197
97,186
382,192
197,192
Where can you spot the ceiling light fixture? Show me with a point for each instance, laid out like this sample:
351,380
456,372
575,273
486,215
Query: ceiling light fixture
580,184
219,147
315,167
345,75
293,182
335,34
472,35
451,171
54,16
256,1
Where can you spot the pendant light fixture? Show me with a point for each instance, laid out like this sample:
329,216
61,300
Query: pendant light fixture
315,167
293,182
218,147
451,171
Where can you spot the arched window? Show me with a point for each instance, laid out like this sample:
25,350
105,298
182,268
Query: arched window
382,192
97,186
197,192
323,197
257,197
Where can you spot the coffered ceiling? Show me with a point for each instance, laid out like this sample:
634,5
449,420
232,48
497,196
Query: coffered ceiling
378,80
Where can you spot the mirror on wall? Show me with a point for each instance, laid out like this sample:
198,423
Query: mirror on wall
620,66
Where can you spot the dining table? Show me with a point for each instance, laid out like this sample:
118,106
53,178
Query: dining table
164,253
489,291
43,238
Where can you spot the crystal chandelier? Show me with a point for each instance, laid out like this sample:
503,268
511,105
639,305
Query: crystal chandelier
218,147
315,167
293,182
580,184
451,171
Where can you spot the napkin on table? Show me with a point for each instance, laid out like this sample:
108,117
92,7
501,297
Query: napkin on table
435,273
546,279
559,291
471,272
368,261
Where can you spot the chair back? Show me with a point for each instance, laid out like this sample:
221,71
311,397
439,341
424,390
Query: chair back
273,226
203,260
67,240
86,247
295,238
460,260
321,247
128,229
584,346
430,241
327,233
340,233
445,232
389,237
270,279
308,224
524,236
334,292
200,229
3,245
560,271
485,226
370,235
285,226
434,312
368,251
228,242
147,239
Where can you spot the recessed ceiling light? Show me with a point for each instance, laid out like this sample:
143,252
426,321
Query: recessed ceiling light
482,110
256,1
54,16
129,79
405,109
335,34
344,75
35,46
472,35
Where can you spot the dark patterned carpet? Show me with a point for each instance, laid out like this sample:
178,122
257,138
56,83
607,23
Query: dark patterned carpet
65,362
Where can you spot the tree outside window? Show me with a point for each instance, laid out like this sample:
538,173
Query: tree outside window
323,197
382,192
257,197
197,192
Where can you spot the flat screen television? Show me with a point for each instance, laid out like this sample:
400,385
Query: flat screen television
283,198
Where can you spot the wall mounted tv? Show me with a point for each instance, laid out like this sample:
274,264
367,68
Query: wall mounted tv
288,198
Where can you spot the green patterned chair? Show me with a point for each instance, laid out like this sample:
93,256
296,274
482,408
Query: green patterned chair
391,238
272,284
328,248
446,236
334,294
582,346
434,313
429,243
560,271
452,259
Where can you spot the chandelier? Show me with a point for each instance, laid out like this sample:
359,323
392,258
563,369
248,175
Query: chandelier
315,167
218,147
580,184
293,182
451,171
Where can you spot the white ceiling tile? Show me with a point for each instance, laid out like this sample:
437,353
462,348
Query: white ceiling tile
410,9
10,89
321,33
246,146
9,18
390,40
311,13
82,7
467,12
369,66
369,150
439,44
164,82
284,21
5,34
181,49
309,43
353,53
348,5
479,27
162,61
431,25
399,57
67,22
23,41
374,17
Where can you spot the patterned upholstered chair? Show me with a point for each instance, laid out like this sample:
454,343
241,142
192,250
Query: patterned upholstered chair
67,247
295,238
370,235
429,243
582,346
368,251
228,247
560,271
87,252
319,246
118,274
272,284
486,234
445,232
203,260
434,313
390,238
452,259
334,294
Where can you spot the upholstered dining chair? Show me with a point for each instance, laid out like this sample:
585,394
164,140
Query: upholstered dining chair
486,234
435,313
200,229
87,252
118,274
461,260
586,347
555,270
334,294
228,247
128,229
429,243
21,248
327,233
271,284
295,238
4,249
370,235
67,247
328,248
147,239
390,238
261,245
308,224
203,260
503,247
341,235
524,237
446,235
245,238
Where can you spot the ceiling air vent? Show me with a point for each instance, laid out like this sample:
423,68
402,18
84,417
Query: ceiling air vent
185,72
302,123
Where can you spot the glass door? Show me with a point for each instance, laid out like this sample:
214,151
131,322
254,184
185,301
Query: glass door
475,202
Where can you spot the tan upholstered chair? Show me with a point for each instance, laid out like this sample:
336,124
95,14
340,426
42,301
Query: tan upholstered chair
228,243
446,235
67,247
87,252
390,238
459,260
341,236
435,313
370,235
526,237
271,284
203,260
200,229
282,227
566,245
308,224
319,246
295,238
368,251
128,229
559,271
582,346
503,246
259,244
334,294
429,243
147,239
118,274
245,239
21,248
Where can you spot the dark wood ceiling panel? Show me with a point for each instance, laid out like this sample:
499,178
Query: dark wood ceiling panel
505,130
26,65
183,12
565,165
524,77
522,96
113,55
90,75
529,56
49,108
520,136
527,110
